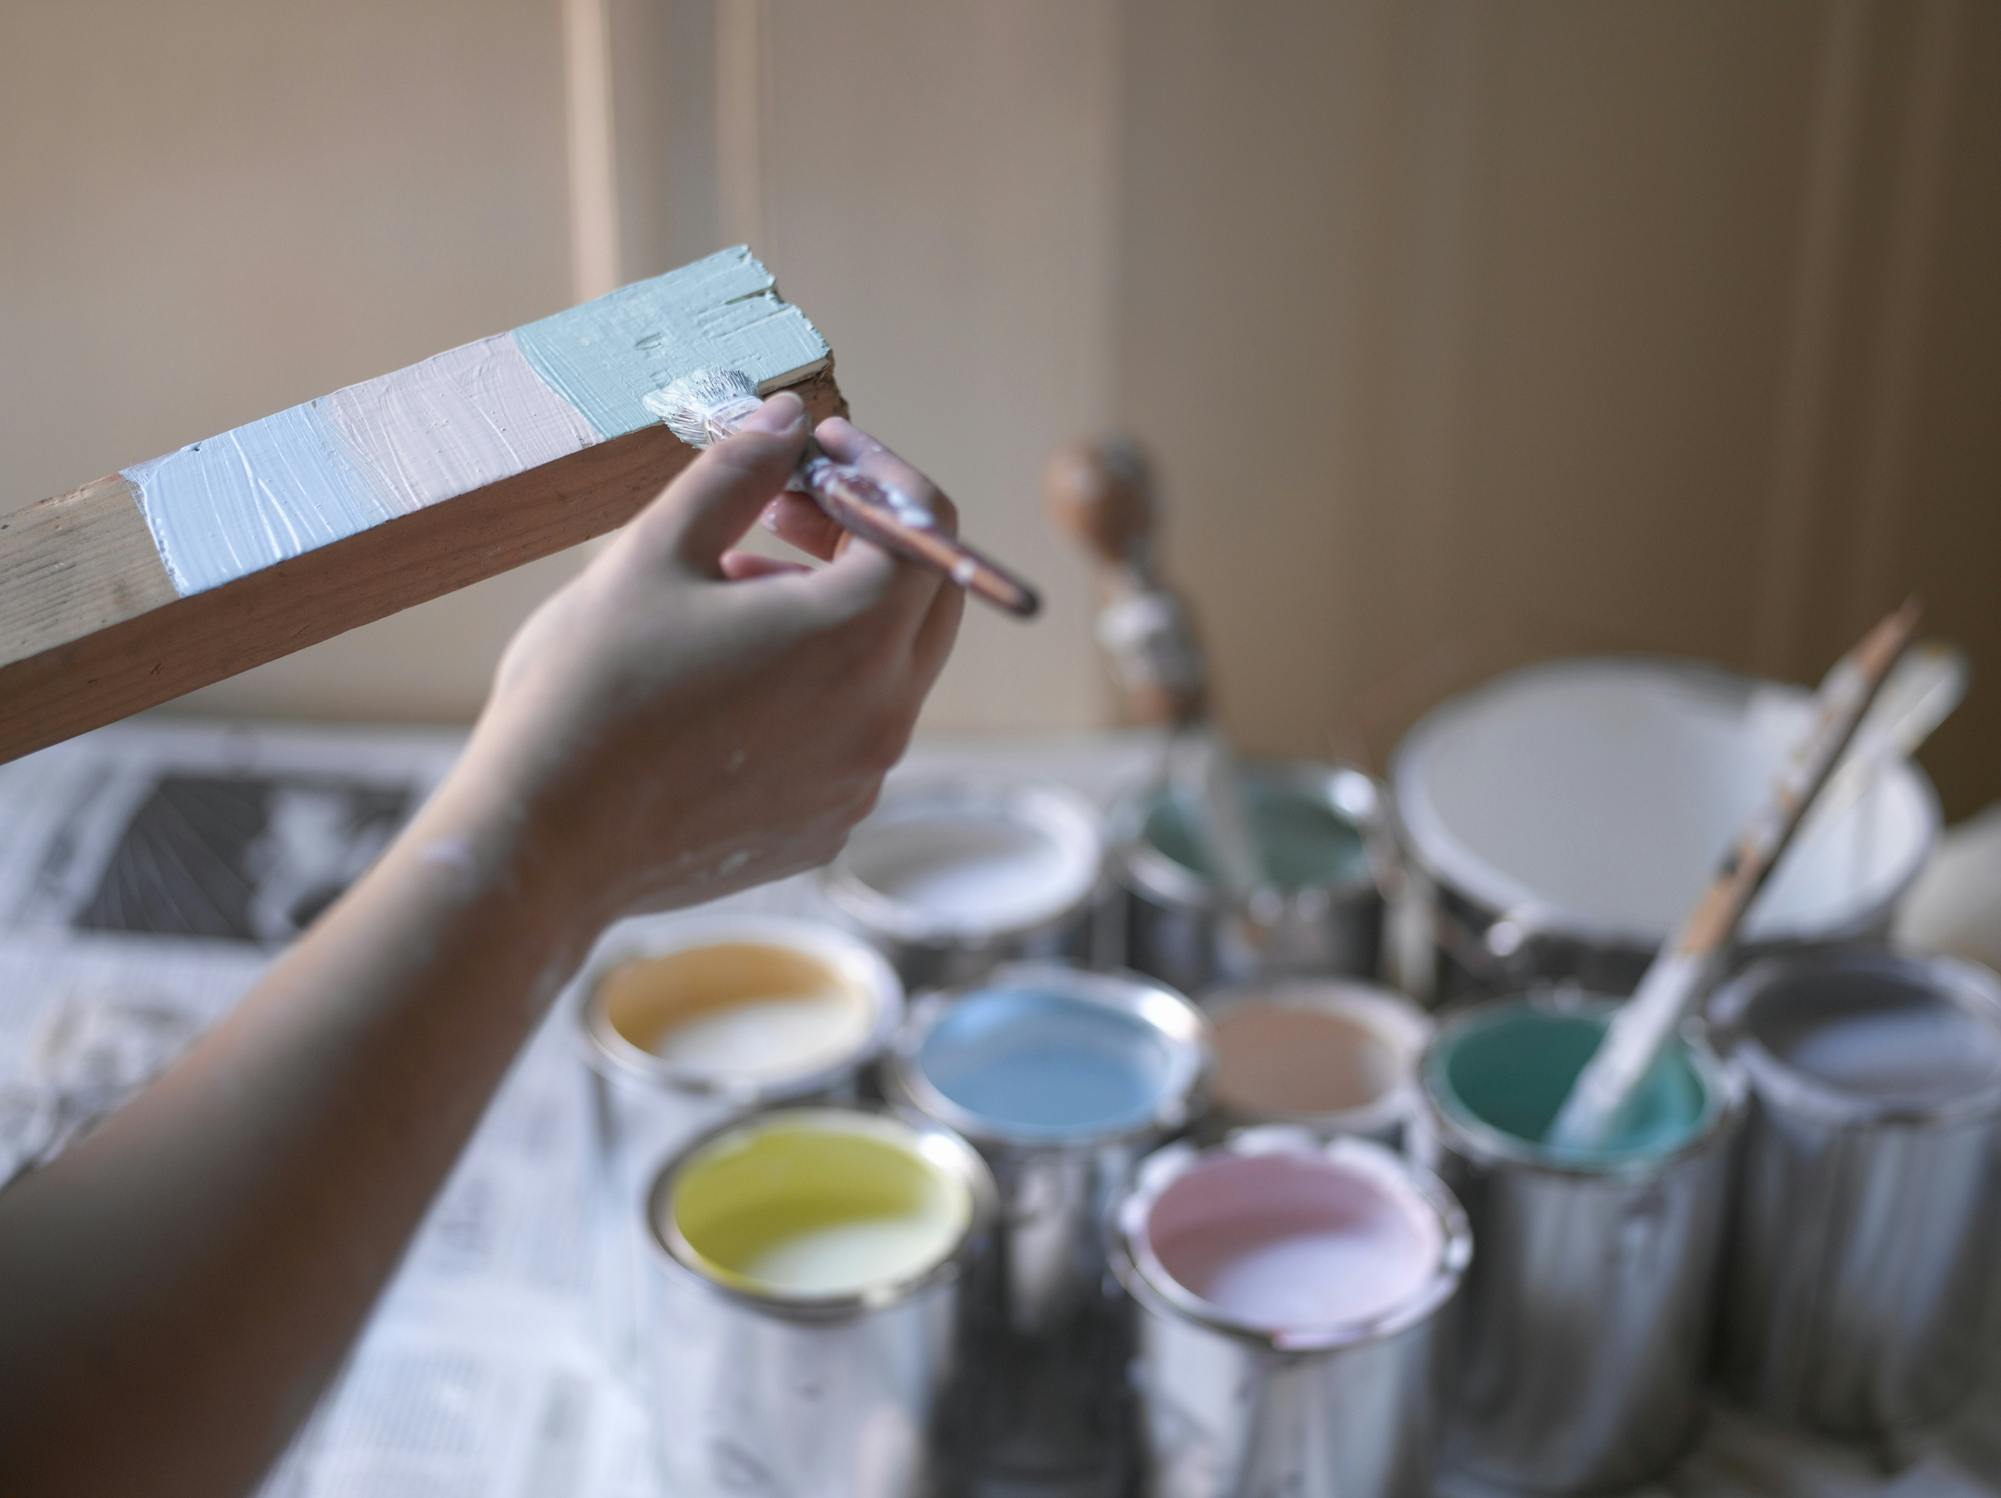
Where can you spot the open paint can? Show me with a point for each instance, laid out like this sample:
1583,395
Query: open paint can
1865,1259
953,878
1556,825
1062,1079
806,1320
1331,1055
1291,1297
1586,1324
693,1019
1317,828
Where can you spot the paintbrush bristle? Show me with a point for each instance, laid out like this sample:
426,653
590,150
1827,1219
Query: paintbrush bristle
693,407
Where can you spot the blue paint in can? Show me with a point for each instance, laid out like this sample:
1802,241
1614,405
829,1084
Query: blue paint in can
1047,1064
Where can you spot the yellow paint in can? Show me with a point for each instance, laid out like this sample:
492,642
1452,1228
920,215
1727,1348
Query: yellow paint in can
818,1203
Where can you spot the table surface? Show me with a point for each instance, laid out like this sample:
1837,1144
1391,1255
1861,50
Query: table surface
149,873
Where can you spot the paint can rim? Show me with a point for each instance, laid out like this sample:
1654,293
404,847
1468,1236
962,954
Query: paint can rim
1428,850
1166,1011
1351,793
1063,816
1724,1089
1139,1271
1356,997
939,1147
1968,986
612,1056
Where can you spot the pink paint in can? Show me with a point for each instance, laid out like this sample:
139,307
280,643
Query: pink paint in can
1290,1296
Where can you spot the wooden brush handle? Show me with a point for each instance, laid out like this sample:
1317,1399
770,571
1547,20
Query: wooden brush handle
859,504
1101,493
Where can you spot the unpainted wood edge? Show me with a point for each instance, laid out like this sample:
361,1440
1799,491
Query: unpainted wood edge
164,652
92,543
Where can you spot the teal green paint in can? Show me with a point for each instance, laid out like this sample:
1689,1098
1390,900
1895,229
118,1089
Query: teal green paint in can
1320,914
1305,843
1589,1306
1511,1069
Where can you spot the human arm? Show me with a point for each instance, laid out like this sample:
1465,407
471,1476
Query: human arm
680,721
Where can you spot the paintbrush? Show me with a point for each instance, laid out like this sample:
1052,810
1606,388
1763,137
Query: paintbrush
1100,493
707,405
1928,684
1674,983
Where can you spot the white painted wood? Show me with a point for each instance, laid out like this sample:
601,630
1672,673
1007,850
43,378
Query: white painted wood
315,474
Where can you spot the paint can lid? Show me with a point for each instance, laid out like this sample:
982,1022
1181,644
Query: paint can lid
1591,798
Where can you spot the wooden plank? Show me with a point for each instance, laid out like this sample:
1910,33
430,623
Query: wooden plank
143,585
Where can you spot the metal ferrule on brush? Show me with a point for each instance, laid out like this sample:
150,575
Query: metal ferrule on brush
706,405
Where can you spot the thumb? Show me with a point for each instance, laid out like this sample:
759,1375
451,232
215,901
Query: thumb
707,509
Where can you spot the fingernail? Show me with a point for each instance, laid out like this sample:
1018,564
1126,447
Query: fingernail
780,415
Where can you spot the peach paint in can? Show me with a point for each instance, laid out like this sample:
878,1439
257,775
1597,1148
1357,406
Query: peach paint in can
1332,1055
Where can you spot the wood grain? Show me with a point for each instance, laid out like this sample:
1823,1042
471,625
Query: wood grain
91,629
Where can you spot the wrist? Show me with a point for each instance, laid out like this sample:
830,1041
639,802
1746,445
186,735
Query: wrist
476,845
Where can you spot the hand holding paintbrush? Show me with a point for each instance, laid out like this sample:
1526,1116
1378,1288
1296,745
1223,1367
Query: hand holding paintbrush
707,405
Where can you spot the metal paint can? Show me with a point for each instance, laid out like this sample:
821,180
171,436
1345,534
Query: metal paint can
808,1289
1330,1055
1518,813
1062,1079
952,878
1586,1324
1867,1230
690,1020
1319,826
1292,1297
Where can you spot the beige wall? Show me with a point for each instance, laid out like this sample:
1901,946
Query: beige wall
218,208
1463,333
1547,328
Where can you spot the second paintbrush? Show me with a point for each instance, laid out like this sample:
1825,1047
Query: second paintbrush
707,405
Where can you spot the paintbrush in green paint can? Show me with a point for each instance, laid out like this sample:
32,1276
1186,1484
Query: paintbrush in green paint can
1681,974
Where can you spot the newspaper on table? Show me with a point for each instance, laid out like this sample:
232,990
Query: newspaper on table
148,875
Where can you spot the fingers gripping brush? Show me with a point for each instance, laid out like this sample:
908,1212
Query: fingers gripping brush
707,405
